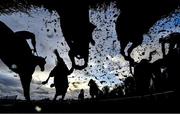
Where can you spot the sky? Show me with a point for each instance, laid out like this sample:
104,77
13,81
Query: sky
106,65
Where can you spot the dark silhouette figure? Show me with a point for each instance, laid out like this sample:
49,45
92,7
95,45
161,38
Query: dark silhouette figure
130,86
76,29
117,91
143,75
106,91
172,59
75,24
173,68
94,90
60,73
17,55
81,95
136,18
160,76
172,39
168,78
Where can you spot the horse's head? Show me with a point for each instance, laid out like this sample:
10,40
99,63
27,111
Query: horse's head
41,62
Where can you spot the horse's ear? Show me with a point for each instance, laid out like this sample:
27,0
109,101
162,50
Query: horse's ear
45,57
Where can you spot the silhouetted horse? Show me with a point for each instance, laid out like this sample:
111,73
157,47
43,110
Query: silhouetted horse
60,73
142,75
106,91
81,95
117,91
172,59
172,39
76,27
137,17
160,78
17,55
74,21
130,86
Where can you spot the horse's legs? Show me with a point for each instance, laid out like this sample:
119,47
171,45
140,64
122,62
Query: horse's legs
123,44
71,56
131,60
63,95
122,34
86,57
86,60
92,96
55,96
134,45
122,50
25,81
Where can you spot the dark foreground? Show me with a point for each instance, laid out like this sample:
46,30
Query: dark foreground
160,102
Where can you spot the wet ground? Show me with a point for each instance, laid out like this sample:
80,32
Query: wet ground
159,102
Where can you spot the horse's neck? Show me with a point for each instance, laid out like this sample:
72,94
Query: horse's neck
36,61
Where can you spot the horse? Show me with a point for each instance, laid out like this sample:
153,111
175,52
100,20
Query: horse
26,71
77,29
18,58
136,18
